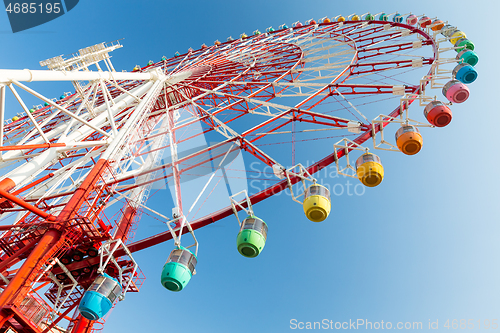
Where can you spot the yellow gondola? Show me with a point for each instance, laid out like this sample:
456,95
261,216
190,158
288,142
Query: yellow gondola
317,204
456,36
369,169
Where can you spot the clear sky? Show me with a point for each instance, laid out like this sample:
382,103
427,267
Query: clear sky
421,246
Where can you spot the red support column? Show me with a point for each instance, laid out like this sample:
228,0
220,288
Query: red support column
49,239
125,223
14,258
7,184
26,205
81,193
83,325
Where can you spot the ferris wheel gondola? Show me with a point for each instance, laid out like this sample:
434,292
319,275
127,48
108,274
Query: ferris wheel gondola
272,98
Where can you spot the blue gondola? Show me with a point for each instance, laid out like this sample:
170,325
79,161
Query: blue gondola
398,18
99,298
465,73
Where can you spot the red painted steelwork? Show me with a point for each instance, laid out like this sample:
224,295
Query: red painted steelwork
49,239
81,193
219,84
125,223
28,147
7,184
83,325
26,205
14,258
165,236
59,318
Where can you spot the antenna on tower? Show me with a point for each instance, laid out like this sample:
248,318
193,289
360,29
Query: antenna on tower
84,58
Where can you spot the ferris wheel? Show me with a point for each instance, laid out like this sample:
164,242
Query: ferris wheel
78,170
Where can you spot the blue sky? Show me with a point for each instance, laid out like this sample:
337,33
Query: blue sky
421,246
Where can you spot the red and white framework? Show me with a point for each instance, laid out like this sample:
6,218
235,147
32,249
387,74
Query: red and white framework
270,97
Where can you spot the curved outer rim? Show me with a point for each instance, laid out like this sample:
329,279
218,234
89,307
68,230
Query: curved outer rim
264,194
